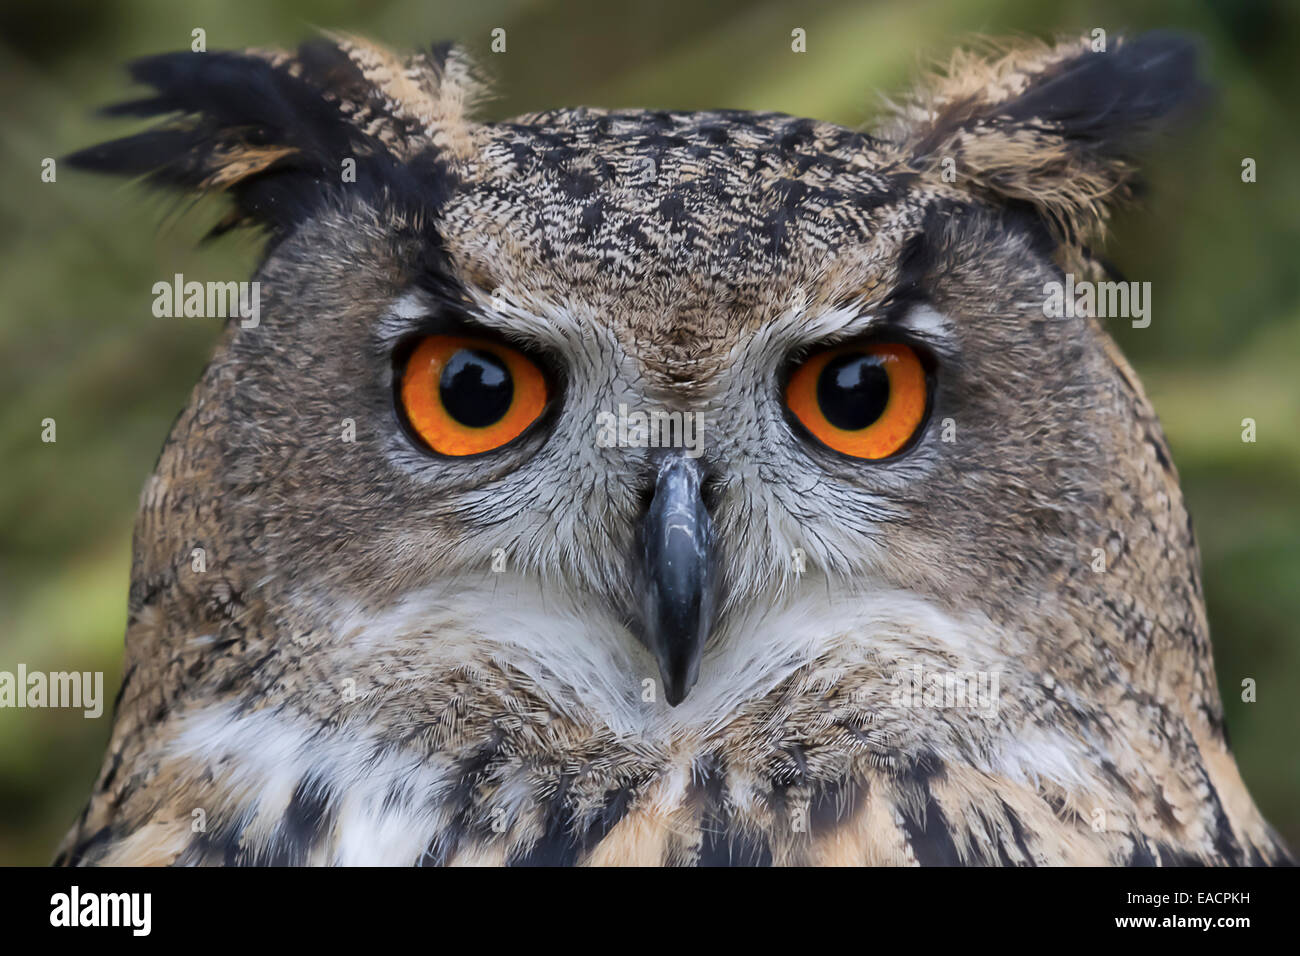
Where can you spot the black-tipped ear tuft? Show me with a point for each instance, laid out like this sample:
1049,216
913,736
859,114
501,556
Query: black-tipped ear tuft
1055,127
1117,97
283,134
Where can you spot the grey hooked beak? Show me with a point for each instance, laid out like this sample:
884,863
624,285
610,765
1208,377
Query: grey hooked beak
678,575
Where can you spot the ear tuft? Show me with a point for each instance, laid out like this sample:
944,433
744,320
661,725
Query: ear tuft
1052,126
274,130
429,95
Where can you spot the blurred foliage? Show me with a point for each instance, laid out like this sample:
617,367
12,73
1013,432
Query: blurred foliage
78,341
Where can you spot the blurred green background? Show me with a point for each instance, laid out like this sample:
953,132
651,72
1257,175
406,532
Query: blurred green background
78,342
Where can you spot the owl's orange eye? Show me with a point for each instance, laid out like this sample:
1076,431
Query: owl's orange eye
862,400
465,396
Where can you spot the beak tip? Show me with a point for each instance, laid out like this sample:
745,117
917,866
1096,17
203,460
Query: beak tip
677,690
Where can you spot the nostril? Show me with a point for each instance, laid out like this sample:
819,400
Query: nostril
711,491
645,495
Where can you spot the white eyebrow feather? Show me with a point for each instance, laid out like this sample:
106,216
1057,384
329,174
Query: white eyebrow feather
926,321
797,329
401,316
546,324
410,306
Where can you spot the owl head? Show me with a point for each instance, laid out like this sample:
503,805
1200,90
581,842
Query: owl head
610,398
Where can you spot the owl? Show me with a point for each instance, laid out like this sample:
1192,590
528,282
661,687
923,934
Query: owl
637,487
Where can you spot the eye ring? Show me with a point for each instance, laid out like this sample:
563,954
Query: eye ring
465,395
866,401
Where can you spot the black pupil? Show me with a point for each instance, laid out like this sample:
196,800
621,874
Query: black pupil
853,390
476,388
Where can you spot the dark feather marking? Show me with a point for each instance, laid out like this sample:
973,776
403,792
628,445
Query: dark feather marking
220,844
591,218
708,775
1111,771
114,765
1225,842
1141,855
1004,858
472,770
1170,856
915,262
832,803
557,846
327,67
928,835
722,846
1018,832
617,804
1165,812
87,847
126,679
564,845
306,820
721,842
438,55
927,831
